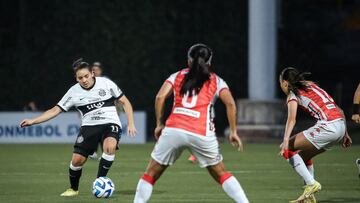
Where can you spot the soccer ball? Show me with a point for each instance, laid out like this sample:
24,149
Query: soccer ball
103,187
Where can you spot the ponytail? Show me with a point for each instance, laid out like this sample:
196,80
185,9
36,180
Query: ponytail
295,78
200,56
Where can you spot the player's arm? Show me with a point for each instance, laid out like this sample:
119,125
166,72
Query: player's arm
161,96
123,100
290,123
47,115
356,106
228,100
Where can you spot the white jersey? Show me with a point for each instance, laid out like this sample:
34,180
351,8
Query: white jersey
96,105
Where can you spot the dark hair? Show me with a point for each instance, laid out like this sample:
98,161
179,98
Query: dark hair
295,78
80,64
200,56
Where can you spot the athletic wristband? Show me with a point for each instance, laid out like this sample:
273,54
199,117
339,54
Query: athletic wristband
356,109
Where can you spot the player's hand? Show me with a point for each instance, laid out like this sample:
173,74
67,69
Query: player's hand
236,141
356,118
157,131
347,141
26,122
131,130
283,147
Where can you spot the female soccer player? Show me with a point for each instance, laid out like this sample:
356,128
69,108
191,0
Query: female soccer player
329,129
190,124
94,99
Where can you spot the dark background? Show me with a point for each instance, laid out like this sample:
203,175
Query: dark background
141,43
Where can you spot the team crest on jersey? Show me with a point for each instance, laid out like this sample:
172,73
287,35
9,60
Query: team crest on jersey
80,139
102,92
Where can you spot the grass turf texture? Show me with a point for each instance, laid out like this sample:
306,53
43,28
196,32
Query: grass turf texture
39,173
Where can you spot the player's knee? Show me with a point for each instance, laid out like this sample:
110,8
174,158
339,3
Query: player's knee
77,162
110,150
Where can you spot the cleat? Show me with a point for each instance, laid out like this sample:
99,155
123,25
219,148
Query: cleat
311,199
192,158
309,190
93,156
69,193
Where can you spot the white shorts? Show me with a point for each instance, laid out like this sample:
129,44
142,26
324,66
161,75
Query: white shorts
325,134
173,141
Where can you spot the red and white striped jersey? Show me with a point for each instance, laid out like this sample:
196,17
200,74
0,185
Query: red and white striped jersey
194,114
317,103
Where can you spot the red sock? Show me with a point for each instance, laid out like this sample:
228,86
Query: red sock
148,179
288,154
224,177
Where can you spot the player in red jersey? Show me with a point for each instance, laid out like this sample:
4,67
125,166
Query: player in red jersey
190,125
329,129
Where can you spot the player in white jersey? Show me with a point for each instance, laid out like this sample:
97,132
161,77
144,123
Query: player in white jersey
330,128
97,69
190,125
94,98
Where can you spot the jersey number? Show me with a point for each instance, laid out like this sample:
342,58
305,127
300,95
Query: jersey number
325,97
190,104
114,128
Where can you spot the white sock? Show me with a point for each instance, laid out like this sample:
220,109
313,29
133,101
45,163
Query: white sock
143,191
311,170
234,190
298,164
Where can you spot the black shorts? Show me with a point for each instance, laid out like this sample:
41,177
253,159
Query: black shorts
90,136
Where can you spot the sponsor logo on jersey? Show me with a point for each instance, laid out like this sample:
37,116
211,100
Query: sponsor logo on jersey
102,92
187,112
95,105
98,112
97,118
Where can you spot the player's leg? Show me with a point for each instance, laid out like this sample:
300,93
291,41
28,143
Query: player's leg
298,160
85,144
107,157
75,171
228,182
110,142
166,151
302,164
207,151
145,185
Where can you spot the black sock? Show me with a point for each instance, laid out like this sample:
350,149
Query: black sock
74,178
104,167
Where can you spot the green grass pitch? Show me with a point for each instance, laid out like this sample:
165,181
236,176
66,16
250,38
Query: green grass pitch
39,173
